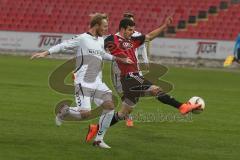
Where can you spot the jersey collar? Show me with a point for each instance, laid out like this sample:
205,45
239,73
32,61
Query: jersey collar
92,35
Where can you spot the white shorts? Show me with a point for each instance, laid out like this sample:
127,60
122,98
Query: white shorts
84,96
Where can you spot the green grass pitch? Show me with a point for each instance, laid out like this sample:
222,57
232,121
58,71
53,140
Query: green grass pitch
28,131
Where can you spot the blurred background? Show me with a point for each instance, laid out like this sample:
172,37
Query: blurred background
203,31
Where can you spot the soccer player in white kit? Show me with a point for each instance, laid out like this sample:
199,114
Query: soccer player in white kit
139,51
88,75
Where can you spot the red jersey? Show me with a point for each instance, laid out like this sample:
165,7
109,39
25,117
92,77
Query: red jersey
121,47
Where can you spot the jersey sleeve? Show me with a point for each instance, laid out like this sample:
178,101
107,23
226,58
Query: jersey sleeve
108,43
136,34
66,46
138,40
107,56
111,47
143,51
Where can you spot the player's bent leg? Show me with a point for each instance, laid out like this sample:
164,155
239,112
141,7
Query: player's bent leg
183,108
83,101
100,129
104,123
154,90
103,98
163,97
125,110
82,111
76,113
105,118
63,111
69,113
129,121
118,116
79,113
123,113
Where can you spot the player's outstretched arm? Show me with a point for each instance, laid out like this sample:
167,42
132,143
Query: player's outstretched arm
40,55
150,36
67,46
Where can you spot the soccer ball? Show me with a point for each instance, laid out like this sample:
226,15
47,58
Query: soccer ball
197,100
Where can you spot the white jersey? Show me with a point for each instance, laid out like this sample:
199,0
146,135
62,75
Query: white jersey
141,49
90,53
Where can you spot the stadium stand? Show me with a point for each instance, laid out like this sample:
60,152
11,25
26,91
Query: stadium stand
216,25
192,18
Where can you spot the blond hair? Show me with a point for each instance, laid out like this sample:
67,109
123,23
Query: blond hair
97,18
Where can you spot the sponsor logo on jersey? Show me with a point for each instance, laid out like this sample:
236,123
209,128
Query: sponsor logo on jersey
96,52
126,45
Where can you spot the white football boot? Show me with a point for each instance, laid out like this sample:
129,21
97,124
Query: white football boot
63,111
101,144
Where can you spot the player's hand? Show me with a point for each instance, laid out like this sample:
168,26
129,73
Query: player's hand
40,55
124,59
168,20
127,60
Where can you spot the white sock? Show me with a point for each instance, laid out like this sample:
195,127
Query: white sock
73,112
74,108
104,123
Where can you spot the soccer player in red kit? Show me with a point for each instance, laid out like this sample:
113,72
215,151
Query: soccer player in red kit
141,50
134,85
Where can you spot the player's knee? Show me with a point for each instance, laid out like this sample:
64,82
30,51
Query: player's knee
108,105
154,90
85,114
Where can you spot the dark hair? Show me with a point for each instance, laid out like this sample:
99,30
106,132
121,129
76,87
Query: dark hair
124,23
97,19
128,15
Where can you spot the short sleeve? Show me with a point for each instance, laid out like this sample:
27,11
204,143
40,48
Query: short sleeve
108,42
138,41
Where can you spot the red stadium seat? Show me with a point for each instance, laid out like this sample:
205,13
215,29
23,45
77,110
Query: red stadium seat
71,16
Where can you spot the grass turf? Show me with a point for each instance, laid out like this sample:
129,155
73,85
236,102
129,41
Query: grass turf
27,129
